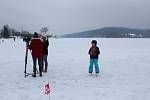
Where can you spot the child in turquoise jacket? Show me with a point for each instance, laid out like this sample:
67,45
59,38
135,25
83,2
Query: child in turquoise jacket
94,53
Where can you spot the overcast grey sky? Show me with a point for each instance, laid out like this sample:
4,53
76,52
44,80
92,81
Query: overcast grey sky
67,16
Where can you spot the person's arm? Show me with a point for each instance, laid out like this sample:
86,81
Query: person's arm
98,51
47,42
89,51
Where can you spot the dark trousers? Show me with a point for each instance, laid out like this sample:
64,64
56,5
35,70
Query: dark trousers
45,63
39,63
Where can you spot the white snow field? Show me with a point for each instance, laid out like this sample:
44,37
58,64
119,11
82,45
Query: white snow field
124,71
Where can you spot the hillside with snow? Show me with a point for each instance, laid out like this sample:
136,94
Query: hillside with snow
111,32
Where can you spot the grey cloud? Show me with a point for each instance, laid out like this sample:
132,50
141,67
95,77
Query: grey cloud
67,16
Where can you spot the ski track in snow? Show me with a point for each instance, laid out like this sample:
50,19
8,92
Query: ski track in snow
124,71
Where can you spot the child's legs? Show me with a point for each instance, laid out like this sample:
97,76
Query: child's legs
91,66
96,65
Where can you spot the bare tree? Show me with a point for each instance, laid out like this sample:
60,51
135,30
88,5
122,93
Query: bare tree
6,31
44,30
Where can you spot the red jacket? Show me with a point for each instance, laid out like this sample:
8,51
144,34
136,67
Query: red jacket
36,45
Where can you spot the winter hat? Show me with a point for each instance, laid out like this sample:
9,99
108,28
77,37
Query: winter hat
36,35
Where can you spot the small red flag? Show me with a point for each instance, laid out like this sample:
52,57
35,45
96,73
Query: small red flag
47,89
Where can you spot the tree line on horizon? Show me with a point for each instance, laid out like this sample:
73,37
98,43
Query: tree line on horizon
8,32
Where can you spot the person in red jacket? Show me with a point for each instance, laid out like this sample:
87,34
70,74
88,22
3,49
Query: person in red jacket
36,46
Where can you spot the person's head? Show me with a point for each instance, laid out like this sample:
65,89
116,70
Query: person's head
44,38
94,43
36,35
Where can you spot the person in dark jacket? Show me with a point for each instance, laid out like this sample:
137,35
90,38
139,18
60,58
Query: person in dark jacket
45,44
36,46
94,53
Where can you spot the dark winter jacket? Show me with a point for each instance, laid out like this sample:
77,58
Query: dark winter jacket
36,45
94,52
46,44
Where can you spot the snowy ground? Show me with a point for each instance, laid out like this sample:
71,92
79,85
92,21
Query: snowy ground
125,71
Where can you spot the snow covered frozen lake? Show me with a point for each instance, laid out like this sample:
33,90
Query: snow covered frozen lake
124,71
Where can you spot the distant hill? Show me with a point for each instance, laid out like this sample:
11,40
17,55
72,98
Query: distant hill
111,32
